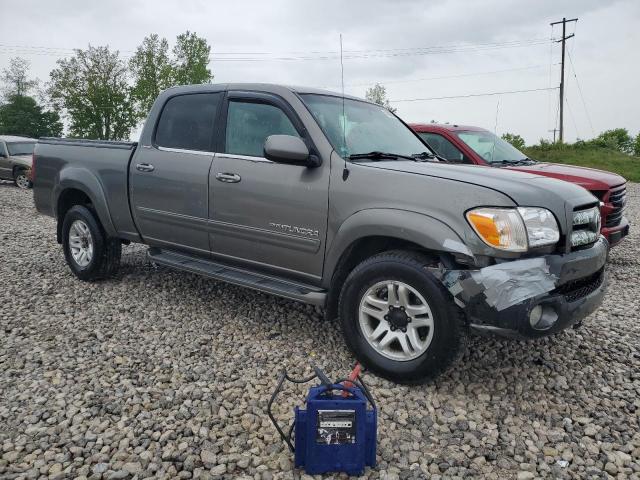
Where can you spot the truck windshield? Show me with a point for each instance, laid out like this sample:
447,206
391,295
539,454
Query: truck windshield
492,148
362,128
20,148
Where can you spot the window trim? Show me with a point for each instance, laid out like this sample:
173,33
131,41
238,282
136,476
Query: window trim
213,140
249,96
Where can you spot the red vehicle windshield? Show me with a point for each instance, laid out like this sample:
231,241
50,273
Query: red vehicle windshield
491,147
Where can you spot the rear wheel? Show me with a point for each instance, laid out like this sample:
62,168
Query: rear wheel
90,254
398,319
21,178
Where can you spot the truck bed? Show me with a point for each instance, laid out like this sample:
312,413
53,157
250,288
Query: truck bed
64,163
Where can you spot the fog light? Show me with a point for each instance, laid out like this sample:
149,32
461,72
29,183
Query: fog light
542,317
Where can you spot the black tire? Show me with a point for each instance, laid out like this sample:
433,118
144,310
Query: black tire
448,320
106,251
21,178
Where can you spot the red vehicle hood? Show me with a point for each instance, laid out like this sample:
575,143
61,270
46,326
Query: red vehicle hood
588,178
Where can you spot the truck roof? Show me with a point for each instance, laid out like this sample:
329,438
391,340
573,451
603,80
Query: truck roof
263,87
15,138
434,127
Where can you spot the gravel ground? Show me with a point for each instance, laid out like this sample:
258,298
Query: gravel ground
164,374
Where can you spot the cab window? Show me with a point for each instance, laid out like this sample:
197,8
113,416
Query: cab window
443,147
250,123
187,122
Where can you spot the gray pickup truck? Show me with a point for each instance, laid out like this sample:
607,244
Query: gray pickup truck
332,201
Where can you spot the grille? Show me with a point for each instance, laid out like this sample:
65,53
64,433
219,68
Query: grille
578,289
618,199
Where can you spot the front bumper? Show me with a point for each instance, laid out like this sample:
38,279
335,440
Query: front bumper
499,299
614,235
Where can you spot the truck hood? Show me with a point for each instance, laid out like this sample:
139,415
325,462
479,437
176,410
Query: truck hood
589,178
525,189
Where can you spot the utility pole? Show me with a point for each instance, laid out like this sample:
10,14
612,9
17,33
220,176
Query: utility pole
554,134
564,38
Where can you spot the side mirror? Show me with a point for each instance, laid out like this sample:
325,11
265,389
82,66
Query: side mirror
288,149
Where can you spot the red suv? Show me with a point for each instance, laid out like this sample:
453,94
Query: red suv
461,144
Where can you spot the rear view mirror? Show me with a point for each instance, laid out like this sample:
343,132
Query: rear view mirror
287,149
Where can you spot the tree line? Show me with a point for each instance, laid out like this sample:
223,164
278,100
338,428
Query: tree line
96,93
617,139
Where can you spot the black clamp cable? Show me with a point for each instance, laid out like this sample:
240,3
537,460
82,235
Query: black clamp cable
281,379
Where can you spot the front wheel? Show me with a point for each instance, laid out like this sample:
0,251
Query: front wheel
90,254
398,319
21,179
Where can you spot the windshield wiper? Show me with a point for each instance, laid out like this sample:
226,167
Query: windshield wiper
376,155
524,161
424,156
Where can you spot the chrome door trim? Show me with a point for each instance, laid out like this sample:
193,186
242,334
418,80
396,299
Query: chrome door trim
182,150
244,157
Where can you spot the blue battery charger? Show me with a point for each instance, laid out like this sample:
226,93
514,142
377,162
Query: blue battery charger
336,432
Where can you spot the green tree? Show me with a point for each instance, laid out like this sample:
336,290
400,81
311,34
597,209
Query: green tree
514,139
152,72
636,146
21,115
92,89
378,94
16,79
191,60
616,139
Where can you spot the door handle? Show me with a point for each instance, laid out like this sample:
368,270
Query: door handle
145,167
228,177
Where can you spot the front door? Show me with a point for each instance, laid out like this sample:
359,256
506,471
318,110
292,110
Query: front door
263,213
169,179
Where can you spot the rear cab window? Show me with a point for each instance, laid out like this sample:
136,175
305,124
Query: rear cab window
249,123
187,122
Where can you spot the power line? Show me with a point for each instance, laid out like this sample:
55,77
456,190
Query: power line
486,94
581,95
299,52
573,119
440,77
304,56
352,56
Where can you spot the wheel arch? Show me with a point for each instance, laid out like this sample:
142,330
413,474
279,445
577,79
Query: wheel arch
80,187
370,232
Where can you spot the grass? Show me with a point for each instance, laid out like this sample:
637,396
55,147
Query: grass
594,157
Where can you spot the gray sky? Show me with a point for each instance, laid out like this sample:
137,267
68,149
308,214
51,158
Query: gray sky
480,46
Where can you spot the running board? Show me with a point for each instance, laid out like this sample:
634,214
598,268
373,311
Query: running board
244,278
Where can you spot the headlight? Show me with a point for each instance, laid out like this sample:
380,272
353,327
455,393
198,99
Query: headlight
515,230
542,228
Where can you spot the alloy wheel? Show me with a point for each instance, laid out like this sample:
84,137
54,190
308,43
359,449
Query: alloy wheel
396,320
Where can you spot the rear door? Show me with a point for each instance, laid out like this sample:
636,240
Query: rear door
266,214
169,179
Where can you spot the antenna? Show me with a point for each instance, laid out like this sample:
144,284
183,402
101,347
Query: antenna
495,131
345,171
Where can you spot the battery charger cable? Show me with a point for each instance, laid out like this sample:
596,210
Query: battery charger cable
284,376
